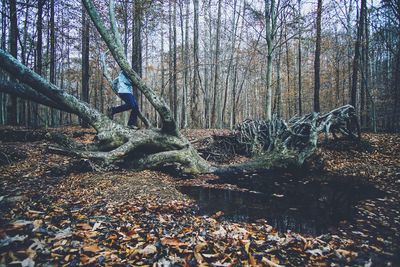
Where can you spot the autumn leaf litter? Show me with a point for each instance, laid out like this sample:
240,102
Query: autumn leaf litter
140,218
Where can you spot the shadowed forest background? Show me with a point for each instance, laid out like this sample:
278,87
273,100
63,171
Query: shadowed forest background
209,59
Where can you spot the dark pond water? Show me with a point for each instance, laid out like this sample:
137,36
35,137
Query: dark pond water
310,207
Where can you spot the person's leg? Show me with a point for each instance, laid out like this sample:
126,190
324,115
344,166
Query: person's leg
133,117
130,100
121,108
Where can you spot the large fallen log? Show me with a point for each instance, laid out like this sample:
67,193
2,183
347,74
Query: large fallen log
277,144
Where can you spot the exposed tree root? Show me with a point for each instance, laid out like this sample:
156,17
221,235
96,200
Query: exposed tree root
276,144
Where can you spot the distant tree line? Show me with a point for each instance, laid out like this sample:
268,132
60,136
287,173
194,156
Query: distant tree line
215,62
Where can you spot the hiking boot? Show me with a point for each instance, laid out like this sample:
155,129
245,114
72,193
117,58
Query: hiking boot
133,127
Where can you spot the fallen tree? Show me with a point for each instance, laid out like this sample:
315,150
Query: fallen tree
277,144
272,144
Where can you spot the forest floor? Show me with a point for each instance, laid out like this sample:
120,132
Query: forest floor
342,210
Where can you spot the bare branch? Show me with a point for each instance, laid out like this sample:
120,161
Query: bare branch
26,92
114,26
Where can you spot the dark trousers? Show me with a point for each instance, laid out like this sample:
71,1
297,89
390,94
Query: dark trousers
130,104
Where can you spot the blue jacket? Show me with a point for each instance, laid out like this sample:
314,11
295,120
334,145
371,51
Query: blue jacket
122,84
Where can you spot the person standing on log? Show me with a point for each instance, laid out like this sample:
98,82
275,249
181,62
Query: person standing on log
122,87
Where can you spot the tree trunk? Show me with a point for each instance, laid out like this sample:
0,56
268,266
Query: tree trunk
38,63
360,31
317,60
396,88
174,69
195,99
3,46
270,28
170,59
162,58
216,109
126,27
299,61
85,61
278,94
232,53
137,42
52,54
349,34
185,56
13,115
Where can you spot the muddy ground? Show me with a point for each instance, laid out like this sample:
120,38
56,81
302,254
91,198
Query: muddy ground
342,209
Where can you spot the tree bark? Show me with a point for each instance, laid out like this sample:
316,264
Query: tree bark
137,57
14,52
317,60
299,61
357,46
195,99
170,59
23,91
52,54
270,29
85,61
278,94
185,56
228,79
174,68
216,108
3,46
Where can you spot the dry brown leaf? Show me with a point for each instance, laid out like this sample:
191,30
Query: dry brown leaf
84,226
149,250
346,253
84,258
174,242
197,249
92,248
270,263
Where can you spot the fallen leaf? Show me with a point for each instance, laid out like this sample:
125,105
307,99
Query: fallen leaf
96,225
197,249
315,252
270,263
84,226
149,250
8,240
28,262
92,248
220,234
174,242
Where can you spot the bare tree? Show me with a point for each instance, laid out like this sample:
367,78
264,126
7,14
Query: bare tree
299,59
14,51
357,46
317,59
271,17
216,118
85,60
195,99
